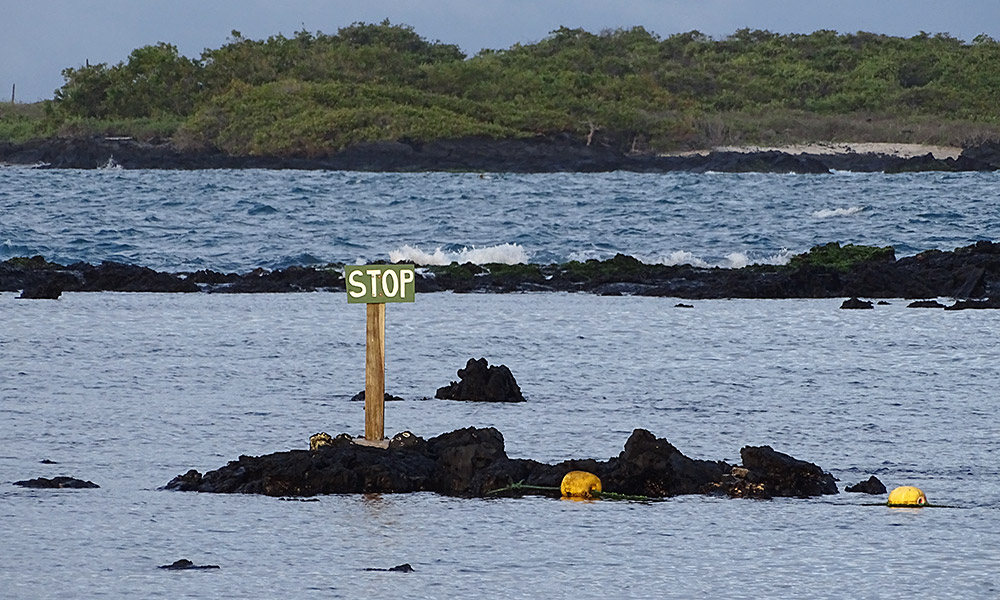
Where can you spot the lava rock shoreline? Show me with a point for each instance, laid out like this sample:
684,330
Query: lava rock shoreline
967,273
561,153
472,462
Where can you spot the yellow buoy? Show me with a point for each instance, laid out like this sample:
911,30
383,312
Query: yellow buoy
579,484
907,495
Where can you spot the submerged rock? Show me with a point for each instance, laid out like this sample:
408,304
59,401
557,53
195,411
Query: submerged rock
991,302
360,397
472,462
482,383
403,568
57,482
925,304
185,564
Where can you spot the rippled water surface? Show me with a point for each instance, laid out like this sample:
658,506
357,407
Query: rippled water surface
129,390
241,220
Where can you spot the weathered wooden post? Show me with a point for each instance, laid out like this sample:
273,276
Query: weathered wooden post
375,285
375,373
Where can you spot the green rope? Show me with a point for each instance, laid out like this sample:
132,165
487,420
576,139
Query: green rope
617,496
521,486
885,504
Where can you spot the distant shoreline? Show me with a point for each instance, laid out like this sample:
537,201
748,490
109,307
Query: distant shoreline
541,154
896,150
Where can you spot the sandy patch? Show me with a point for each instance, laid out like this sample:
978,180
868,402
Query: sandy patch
887,148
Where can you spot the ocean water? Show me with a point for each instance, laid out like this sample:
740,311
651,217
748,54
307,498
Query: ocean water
241,220
129,390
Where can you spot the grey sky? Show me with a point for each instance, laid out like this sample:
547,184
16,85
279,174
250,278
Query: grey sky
38,38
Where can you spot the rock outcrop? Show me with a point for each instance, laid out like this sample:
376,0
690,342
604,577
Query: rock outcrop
872,485
480,382
472,462
855,303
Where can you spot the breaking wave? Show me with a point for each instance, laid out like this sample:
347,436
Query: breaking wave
507,254
733,260
826,213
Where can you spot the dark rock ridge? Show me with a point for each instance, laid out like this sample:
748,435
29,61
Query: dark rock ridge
559,153
480,382
970,272
472,462
57,483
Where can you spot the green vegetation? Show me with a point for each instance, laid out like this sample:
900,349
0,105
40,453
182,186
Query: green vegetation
313,94
842,258
21,122
456,271
30,263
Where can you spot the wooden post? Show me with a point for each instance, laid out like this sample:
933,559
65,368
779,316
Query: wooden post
375,285
375,374
13,87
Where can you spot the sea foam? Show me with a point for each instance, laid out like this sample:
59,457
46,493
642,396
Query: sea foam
826,213
507,254
733,260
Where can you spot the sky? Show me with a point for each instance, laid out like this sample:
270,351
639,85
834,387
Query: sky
39,38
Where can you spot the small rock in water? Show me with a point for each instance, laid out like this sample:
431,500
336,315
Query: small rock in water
56,483
991,302
871,486
403,568
185,564
360,397
48,290
682,305
482,383
856,303
925,304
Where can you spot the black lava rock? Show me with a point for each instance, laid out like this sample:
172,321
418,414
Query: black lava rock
45,290
650,466
991,302
770,474
403,568
870,486
925,304
472,462
482,383
854,303
360,397
186,565
56,483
